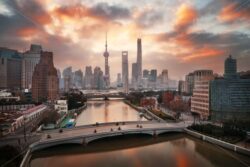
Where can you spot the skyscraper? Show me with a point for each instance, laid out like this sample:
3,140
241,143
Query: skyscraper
68,78
125,71
98,78
230,68
119,80
10,69
78,79
134,75
30,59
164,75
45,83
88,77
106,74
139,60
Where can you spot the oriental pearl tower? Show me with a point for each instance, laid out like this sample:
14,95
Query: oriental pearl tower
106,75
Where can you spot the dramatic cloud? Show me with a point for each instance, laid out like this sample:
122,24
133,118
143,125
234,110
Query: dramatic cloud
235,12
179,36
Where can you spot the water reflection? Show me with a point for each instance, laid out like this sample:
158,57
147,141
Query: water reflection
177,150
107,111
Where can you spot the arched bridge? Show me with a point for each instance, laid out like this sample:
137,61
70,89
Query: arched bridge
86,134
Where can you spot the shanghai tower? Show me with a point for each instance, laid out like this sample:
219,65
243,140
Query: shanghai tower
139,60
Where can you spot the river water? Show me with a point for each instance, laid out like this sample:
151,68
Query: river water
171,150
107,111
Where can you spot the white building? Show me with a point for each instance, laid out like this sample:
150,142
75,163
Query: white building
61,106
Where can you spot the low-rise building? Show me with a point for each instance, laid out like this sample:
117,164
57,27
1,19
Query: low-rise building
61,106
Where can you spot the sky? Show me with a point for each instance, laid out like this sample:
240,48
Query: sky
178,35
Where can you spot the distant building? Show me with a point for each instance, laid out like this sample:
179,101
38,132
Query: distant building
153,75
134,75
230,96
181,86
200,98
68,79
139,60
10,69
98,79
164,76
78,79
119,80
61,82
145,73
88,77
45,83
30,59
125,74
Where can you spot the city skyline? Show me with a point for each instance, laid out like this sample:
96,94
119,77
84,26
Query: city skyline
206,32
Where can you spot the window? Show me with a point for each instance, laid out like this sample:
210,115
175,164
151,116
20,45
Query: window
2,60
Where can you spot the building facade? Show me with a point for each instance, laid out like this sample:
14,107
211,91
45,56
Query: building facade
230,96
30,59
139,60
67,79
45,83
200,98
134,75
10,69
125,73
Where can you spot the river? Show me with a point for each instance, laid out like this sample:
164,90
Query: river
107,111
172,149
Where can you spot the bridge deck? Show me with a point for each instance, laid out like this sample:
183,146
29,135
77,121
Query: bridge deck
75,132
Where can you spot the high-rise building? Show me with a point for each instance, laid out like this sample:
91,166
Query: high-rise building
45,83
68,79
230,96
164,76
134,75
10,69
200,98
88,77
125,81
78,79
98,78
107,72
153,75
119,80
30,59
60,79
139,60
145,74
189,79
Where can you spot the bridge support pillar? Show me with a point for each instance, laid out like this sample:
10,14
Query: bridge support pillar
155,134
84,143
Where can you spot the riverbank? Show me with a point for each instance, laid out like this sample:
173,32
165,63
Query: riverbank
218,142
69,117
154,114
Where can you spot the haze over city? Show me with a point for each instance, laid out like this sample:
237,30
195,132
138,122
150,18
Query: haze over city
178,35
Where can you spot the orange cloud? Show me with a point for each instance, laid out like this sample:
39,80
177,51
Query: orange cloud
185,17
202,53
27,32
232,12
